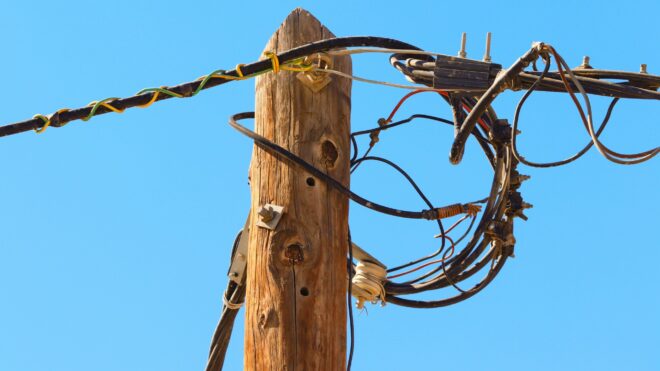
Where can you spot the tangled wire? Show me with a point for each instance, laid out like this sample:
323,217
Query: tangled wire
488,240
469,87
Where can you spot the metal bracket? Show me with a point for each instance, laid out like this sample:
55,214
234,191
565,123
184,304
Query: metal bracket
316,80
269,216
361,255
239,258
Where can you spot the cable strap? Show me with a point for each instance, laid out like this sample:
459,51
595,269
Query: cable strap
229,304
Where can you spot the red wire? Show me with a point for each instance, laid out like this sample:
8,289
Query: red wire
451,248
481,122
459,221
440,260
405,97
441,92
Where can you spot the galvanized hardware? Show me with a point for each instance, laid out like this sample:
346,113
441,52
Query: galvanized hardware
462,53
269,216
585,64
316,80
363,256
266,214
487,54
460,74
239,259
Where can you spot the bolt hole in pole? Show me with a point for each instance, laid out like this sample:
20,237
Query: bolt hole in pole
304,291
311,182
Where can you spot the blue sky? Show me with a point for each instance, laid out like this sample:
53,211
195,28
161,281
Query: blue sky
116,232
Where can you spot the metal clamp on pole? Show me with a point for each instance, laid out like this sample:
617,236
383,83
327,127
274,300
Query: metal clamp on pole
239,255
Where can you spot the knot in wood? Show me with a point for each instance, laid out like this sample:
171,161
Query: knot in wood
294,253
329,153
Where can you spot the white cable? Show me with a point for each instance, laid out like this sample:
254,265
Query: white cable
341,52
590,126
369,81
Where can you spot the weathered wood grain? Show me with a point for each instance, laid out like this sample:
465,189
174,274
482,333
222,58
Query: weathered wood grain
296,278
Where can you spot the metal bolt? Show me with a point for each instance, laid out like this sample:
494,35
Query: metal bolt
462,53
317,78
585,62
487,55
642,68
266,214
321,61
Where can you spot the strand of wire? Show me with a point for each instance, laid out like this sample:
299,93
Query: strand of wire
349,300
588,120
286,60
359,161
356,163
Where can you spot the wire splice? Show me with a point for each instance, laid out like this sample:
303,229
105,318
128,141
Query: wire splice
457,209
368,283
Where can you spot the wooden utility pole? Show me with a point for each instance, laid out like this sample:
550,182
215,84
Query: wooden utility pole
296,276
